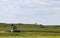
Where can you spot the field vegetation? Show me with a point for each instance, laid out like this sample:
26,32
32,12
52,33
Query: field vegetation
30,31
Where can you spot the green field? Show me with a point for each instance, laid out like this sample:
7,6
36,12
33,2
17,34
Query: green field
30,31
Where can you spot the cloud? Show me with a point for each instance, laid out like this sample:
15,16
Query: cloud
29,2
30,11
3,0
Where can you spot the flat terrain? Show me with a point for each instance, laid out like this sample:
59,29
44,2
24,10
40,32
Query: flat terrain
30,35
30,31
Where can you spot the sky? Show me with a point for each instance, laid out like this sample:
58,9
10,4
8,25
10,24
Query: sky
30,11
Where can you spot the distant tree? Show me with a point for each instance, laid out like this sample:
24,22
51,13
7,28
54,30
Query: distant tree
42,26
20,23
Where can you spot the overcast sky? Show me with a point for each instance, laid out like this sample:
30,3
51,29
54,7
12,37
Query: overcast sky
30,11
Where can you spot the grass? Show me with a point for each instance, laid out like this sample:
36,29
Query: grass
29,35
30,31
33,36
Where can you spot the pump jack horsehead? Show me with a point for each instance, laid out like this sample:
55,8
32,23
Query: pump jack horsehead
14,28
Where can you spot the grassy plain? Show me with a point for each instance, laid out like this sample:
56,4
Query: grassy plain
30,31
